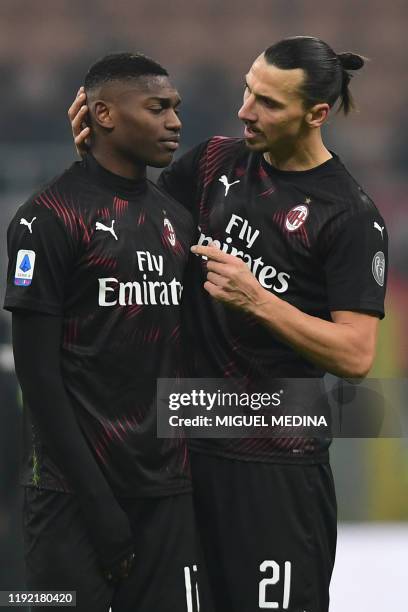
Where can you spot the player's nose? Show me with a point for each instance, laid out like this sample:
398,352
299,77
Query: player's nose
173,121
247,111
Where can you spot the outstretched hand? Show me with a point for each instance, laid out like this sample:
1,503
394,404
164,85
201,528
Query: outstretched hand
77,113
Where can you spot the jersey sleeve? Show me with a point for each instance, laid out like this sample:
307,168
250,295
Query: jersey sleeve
181,179
355,264
40,257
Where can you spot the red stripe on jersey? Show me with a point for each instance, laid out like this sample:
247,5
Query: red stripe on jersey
119,206
85,236
268,191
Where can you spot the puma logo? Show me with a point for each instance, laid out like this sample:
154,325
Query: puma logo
226,184
105,228
379,228
28,224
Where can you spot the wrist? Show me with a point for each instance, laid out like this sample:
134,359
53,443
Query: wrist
262,303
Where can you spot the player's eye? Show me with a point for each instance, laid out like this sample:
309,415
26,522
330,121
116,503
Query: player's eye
269,103
156,110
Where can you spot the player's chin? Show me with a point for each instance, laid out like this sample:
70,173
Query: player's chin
256,145
162,160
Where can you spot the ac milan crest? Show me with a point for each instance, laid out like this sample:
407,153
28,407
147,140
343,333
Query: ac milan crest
296,217
169,232
378,267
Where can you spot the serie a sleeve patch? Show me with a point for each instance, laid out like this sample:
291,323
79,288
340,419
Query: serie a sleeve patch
24,268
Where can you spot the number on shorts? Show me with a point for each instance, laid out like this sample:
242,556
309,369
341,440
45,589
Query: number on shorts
192,597
274,579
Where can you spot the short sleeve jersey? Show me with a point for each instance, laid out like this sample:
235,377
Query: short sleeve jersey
108,255
313,238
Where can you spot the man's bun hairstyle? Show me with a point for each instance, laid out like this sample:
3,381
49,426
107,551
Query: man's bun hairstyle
348,61
327,75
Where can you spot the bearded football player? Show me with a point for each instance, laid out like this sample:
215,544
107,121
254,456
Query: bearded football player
287,281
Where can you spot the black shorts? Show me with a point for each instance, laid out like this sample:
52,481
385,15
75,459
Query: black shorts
268,533
59,554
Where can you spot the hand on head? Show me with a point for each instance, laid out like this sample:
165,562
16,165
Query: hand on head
77,114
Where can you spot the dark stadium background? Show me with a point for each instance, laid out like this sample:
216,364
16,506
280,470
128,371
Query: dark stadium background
45,49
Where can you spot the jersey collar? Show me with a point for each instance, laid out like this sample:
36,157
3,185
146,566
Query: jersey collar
120,185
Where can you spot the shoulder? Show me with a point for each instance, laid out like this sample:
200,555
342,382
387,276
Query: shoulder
219,154
59,189
224,146
355,199
349,203
210,150
54,202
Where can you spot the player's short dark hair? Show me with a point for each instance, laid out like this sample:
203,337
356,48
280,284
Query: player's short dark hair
327,75
122,67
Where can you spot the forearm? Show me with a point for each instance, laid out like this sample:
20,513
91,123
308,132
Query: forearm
36,342
62,436
37,345
335,347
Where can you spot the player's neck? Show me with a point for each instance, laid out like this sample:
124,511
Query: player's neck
303,155
109,160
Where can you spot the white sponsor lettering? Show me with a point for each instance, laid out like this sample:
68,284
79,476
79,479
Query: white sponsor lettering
147,262
104,290
113,292
246,232
264,273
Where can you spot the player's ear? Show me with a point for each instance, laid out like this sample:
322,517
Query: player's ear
317,115
102,112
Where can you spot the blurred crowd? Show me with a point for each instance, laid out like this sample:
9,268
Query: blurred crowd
47,45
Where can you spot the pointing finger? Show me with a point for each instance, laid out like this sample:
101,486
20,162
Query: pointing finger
212,253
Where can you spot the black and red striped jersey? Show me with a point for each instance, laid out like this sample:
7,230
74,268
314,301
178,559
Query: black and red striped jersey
313,238
107,254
